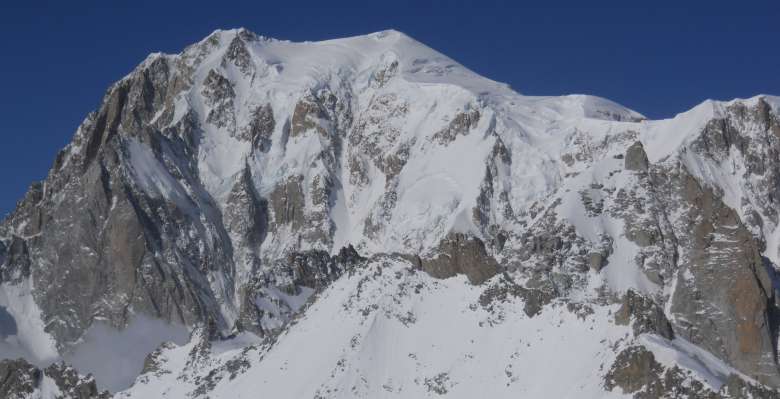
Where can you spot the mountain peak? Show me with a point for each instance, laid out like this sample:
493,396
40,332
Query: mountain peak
311,210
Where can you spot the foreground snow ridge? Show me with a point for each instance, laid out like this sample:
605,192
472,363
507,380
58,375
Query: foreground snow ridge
366,218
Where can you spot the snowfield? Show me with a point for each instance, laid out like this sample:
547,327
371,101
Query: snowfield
388,331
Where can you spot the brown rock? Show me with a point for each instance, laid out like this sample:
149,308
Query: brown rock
636,158
723,291
461,254
646,315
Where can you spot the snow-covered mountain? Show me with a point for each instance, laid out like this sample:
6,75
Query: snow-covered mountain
365,217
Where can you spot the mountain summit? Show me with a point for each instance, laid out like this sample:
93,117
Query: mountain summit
365,217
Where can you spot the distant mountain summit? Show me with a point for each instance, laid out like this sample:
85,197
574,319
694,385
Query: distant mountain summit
365,217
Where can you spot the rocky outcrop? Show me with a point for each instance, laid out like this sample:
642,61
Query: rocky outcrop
288,203
245,217
210,189
21,380
461,254
310,114
596,261
553,257
636,158
18,379
136,251
644,315
14,260
751,133
314,269
689,239
246,212
219,94
723,300
385,71
737,388
637,372
261,127
506,289
237,53
72,385
460,125
298,276
105,239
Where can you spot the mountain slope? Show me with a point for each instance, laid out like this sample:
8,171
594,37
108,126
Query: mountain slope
288,195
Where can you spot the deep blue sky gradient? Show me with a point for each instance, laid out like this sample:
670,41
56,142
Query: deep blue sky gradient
659,58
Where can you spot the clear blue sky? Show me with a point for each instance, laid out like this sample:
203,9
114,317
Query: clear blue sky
659,58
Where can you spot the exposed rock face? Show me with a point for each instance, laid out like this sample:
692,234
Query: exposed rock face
461,254
635,369
298,276
288,202
127,258
72,385
644,316
232,184
504,289
737,388
724,292
636,158
237,53
306,116
245,218
637,372
104,246
596,261
690,239
554,258
246,213
460,125
218,93
314,269
21,380
260,128
16,260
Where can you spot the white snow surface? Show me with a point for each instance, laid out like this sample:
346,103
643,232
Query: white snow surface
416,336
438,187
371,334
